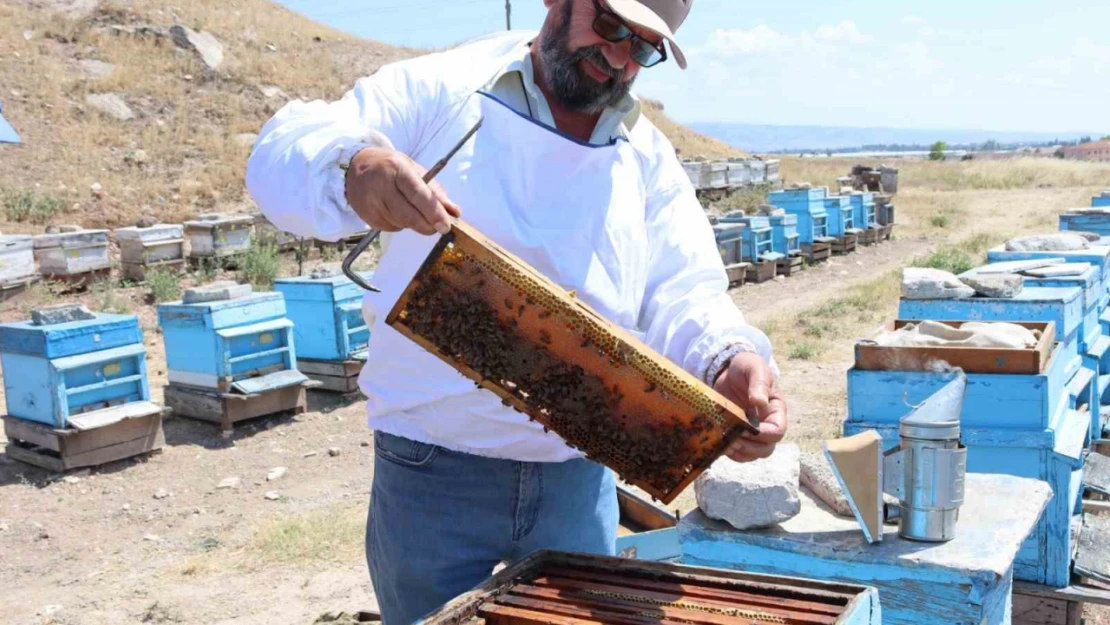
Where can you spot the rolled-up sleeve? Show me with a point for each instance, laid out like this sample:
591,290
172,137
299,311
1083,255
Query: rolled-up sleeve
687,313
297,170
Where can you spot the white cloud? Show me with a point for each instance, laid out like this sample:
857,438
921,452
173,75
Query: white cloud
913,20
843,32
926,32
758,40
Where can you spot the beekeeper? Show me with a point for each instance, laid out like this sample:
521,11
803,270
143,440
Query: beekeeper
569,175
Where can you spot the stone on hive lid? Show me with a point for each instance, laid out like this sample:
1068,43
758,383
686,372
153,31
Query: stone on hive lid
771,209
1057,271
1005,285
751,494
817,476
736,214
801,185
1091,237
329,270
66,228
215,292
1056,242
146,221
61,313
924,283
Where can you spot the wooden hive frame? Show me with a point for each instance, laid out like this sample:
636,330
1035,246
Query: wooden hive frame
542,351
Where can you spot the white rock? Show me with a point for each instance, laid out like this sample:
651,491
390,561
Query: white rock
333,451
245,139
71,479
111,105
751,494
161,493
1056,242
925,283
276,473
1004,285
308,454
272,495
229,482
817,476
152,538
47,610
273,91
95,69
206,46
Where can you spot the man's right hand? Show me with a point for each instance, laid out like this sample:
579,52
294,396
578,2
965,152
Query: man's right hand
386,189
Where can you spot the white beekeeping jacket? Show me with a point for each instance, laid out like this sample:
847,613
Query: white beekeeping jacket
619,223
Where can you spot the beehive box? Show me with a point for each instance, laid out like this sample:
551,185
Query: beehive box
17,259
269,234
718,174
54,370
547,354
218,236
841,215
808,203
550,587
1103,199
698,172
74,253
729,236
326,312
784,229
1095,220
141,249
1097,255
235,340
739,173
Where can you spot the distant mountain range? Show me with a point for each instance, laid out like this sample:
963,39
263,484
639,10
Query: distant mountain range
764,138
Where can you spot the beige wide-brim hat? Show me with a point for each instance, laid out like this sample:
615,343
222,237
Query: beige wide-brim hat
661,16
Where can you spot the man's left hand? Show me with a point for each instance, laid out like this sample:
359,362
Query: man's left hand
749,382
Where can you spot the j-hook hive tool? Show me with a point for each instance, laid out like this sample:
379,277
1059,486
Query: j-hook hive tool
373,235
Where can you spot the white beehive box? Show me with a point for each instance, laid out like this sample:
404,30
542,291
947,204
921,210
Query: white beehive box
17,258
219,236
269,234
160,245
72,253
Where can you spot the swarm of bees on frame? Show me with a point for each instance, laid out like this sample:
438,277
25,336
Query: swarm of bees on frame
589,414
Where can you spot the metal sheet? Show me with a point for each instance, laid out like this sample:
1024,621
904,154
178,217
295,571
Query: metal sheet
1092,559
272,381
1096,473
7,133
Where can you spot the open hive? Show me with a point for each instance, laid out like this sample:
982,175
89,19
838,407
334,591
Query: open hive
516,333
571,589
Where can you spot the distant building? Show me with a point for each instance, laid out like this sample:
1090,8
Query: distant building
1092,151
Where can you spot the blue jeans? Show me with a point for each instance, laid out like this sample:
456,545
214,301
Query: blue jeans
441,520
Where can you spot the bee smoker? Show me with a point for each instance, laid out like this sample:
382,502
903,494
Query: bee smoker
926,471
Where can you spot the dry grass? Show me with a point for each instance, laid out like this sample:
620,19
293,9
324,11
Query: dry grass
332,535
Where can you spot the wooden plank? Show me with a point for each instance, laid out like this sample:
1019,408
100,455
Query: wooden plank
93,448
16,451
642,513
761,271
230,408
1096,507
87,441
1029,610
1082,593
334,368
335,384
32,432
873,357
153,441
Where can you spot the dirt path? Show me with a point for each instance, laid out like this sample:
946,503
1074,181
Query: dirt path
825,280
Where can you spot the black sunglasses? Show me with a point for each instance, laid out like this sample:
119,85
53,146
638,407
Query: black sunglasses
610,27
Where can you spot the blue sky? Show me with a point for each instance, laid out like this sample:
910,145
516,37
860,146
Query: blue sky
976,64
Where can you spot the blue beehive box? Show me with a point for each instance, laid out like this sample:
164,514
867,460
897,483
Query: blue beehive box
1087,220
728,236
841,215
1097,255
784,234
757,242
1102,199
54,371
863,209
809,205
327,318
243,343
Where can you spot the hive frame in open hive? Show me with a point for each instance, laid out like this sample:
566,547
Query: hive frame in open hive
605,392
579,589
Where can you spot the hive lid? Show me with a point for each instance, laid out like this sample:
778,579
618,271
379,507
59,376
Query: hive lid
61,313
79,238
220,291
328,275
149,233
67,338
12,242
211,220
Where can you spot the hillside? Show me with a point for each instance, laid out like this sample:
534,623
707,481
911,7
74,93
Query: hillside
183,148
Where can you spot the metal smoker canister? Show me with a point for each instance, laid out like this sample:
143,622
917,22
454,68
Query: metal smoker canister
926,472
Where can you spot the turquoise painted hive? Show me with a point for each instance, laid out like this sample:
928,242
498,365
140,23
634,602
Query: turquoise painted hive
54,371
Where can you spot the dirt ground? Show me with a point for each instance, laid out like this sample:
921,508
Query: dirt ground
155,540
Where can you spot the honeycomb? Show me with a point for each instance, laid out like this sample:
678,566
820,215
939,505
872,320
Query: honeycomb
552,357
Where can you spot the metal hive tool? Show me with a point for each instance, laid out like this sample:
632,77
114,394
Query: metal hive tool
514,332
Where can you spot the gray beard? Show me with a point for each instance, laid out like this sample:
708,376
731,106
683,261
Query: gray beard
573,89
